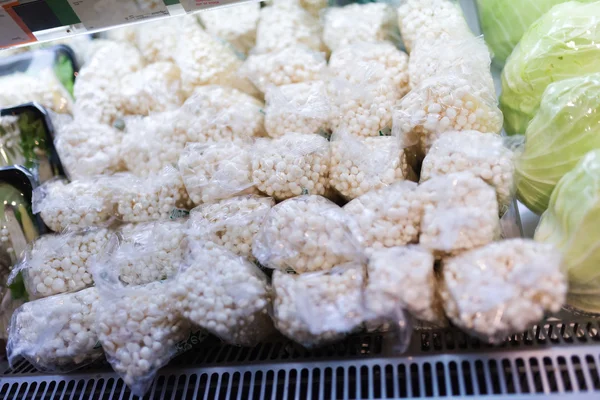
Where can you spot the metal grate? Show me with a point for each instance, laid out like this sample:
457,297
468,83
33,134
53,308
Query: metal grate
555,358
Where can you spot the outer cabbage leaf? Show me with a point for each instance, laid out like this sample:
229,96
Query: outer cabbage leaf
564,129
504,21
572,224
562,44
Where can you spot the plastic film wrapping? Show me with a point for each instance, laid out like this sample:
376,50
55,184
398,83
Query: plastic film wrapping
237,25
43,87
157,40
361,165
503,288
299,108
212,172
306,234
56,333
291,165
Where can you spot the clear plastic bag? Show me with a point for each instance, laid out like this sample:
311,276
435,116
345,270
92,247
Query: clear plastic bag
355,23
43,87
87,148
482,154
237,25
223,293
387,217
306,234
293,64
395,62
74,205
148,199
56,333
157,40
404,277
430,19
460,213
232,223
60,263
359,165
441,104
318,308
299,108
281,27
291,165
503,288
212,172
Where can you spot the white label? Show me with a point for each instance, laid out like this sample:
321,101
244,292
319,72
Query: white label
193,5
95,14
11,34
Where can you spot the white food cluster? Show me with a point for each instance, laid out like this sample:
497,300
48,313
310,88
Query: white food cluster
430,19
78,204
298,108
232,223
43,88
442,104
225,294
88,148
294,64
354,23
482,154
403,277
395,62
148,199
61,263
237,25
158,41
291,165
359,166
138,328
387,217
212,172
149,252
281,27
503,288
306,234
57,332
317,308
460,213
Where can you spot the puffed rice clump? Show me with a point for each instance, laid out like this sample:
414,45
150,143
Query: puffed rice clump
503,288
43,88
355,23
318,308
482,154
61,263
212,172
299,108
294,64
232,223
306,234
430,19
403,277
291,165
359,166
56,333
78,204
440,105
225,294
237,25
395,62
460,213
138,329
387,217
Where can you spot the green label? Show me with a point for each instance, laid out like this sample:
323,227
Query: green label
170,2
63,12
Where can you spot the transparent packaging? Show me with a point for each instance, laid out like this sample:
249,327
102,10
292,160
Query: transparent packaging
236,25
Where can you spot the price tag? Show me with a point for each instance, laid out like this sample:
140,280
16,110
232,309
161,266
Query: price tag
96,14
12,30
193,5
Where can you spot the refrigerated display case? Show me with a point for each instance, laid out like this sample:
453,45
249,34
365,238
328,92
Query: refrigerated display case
559,357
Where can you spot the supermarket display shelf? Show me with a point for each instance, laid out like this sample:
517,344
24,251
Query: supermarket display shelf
553,359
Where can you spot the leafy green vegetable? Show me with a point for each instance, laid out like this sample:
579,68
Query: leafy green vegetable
63,68
562,44
572,224
504,21
564,129
17,288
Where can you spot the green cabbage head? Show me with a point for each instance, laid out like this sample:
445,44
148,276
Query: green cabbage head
504,21
562,44
564,129
572,224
